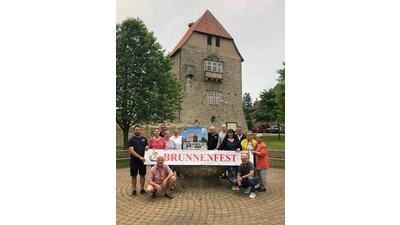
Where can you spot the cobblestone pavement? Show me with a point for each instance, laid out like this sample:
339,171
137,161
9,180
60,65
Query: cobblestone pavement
219,205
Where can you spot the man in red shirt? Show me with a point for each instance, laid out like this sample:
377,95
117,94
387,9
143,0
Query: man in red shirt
160,177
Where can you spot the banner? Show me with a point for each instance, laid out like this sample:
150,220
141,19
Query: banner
196,157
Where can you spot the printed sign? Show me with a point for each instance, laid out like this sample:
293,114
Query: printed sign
194,138
196,157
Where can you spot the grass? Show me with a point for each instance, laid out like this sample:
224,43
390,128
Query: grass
122,163
277,163
273,162
273,141
120,148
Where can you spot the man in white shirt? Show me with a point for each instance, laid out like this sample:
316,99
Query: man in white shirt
221,135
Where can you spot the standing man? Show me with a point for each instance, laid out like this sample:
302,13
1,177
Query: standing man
239,134
160,177
221,135
212,139
245,177
262,165
137,145
163,129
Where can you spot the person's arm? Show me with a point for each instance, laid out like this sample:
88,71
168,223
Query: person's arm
151,143
262,152
219,141
251,173
164,144
170,174
152,183
239,178
222,145
135,154
237,143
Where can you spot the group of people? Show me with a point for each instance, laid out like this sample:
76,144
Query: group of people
246,175
161,176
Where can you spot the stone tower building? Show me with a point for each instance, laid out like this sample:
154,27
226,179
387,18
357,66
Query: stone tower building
209,65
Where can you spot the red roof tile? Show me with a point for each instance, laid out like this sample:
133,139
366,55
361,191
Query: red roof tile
208,24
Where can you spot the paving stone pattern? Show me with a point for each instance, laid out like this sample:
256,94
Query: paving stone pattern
219,205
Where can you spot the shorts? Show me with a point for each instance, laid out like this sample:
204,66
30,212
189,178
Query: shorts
135,167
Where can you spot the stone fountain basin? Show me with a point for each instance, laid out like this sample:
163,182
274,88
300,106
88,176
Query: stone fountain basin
200,176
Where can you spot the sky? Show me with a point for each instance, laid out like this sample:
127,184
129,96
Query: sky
257,27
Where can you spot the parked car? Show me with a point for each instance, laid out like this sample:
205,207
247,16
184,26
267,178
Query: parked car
257,130
274,129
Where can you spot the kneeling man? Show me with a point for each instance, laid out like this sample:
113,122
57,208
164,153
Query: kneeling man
245,176
160,177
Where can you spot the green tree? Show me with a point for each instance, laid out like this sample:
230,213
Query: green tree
266,110
280,95
247,104
146,90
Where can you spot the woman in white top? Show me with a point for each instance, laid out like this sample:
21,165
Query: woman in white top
171,145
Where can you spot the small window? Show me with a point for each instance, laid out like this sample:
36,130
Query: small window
213,97
209,40
217,42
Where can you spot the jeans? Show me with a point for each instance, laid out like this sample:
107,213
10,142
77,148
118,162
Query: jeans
246,182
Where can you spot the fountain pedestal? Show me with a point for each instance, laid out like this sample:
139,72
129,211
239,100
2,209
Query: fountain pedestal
200,176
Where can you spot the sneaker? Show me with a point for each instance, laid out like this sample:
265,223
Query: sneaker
237,188
154,194
142,192
252,195
261,189
247,190
133,193
168,196
234,188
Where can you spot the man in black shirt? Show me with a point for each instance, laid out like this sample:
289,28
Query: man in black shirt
212,139
163,129
245,177
239,133
137,145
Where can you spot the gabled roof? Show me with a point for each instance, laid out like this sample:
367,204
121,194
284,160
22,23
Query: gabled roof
207,24
255,106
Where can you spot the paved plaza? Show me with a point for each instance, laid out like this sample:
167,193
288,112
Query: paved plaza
219,205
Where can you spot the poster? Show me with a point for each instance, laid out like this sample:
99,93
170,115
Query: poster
194,138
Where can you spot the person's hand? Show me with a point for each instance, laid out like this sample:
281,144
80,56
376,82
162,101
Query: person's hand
254,152
238,149
142,158
240,183
164,184
146,148
159,189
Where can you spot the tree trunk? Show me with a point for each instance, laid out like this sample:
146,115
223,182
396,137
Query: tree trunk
126,137
279,131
